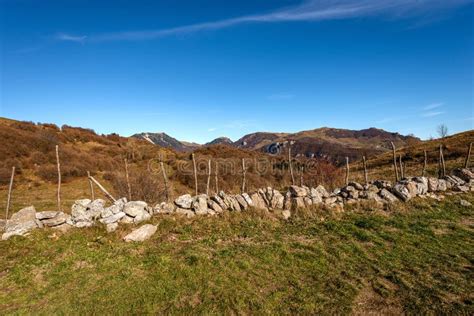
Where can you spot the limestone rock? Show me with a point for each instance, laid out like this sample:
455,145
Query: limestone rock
83,224
217,199
135,208
243,204
297,203
322,191
465,174
126,220
164,208
111,227
382,184
21,223
214,206
184,211
184,201
297,191
247,199
96,208
141,217
258,201
234,205
46,215
112,210
199,204
63,227
112,218
316,196
461,188
421,185
79,211
465,203
277,200
141,234
59,219
286,214
387,196
404,191
330,200
121,203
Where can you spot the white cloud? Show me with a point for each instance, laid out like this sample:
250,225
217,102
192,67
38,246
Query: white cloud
433,113
309,10
70,38
433,106
212,129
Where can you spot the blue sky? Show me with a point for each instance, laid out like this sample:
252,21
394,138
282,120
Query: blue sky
202,69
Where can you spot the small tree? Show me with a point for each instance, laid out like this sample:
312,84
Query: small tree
442,131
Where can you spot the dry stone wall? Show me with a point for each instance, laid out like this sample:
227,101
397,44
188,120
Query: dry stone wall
86,213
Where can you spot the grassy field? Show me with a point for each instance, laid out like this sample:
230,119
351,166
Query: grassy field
415,259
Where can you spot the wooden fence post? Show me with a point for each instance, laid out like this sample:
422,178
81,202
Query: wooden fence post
165,179
103,189
129,188
59,178
402,170
301,176
195,174
10,187
442,162
395,161
425,163
466,164
290,164
347,170
244,172
91,186
208,176
216,178
366,176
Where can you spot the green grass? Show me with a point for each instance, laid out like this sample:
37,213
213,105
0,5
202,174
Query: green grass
417,259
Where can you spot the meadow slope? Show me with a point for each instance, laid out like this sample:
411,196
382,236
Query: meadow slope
417,258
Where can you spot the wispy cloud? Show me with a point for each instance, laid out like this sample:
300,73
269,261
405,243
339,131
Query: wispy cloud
433,106
309,10
433,113
280,96
70,38
212,129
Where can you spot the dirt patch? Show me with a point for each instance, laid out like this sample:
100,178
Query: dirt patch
369,302
468,223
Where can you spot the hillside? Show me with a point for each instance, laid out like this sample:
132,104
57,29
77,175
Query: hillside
166,141
30,148
455,149
328,143
415,259
220,141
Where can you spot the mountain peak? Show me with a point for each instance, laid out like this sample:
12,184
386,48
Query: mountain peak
220,141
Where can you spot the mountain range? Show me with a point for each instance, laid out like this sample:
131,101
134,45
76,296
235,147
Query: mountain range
329,143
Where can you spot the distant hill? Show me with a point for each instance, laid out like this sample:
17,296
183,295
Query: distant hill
164,140
329,143
220,141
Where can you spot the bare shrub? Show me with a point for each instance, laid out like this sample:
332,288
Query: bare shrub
145,186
